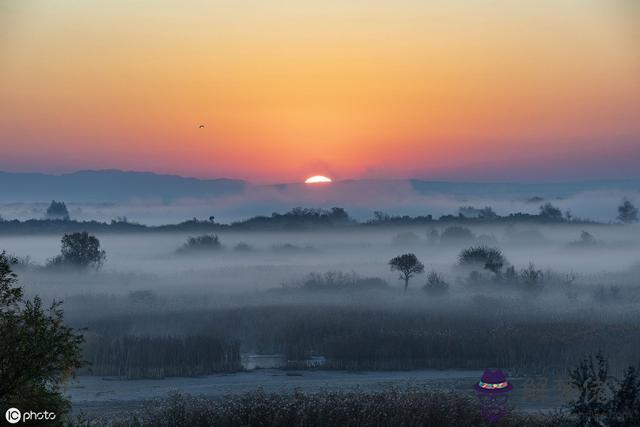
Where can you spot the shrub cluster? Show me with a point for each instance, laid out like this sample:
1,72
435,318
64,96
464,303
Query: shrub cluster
203,243
339,281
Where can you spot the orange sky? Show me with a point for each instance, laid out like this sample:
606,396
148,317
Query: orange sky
455,89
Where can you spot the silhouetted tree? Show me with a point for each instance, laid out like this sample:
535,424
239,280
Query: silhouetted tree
591,380
627,212
489,258
550,212
381,216
37,352
408,265
80,250
338,215
205,242
485,213
57,210
602,399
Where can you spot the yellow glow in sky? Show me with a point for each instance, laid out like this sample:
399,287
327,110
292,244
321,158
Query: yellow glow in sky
441,89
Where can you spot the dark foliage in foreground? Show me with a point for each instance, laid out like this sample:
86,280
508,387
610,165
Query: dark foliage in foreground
602,399
411,407
38,352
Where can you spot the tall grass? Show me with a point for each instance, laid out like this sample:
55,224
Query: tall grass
410,407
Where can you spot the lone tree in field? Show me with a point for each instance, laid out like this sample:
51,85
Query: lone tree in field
80,250
488,258
627,212
57,210
408,265
38,353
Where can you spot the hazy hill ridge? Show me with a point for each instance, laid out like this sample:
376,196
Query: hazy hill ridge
117,186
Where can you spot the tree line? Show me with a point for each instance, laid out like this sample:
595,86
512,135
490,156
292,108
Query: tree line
59,220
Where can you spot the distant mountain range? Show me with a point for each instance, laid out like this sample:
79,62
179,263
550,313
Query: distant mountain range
119,186
109,186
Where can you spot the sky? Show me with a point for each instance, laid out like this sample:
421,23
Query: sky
486,90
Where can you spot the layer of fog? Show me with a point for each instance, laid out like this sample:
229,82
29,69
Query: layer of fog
149,261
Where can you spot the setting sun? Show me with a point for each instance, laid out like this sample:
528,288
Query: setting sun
316,179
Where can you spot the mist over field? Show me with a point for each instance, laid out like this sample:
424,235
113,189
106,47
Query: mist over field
320,213
207,307
267,263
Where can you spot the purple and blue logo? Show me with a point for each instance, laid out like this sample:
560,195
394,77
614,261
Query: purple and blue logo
493,391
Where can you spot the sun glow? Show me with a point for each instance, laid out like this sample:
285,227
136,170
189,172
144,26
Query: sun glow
316,179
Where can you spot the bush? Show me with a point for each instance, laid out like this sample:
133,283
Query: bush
550,212
602,399
531,277
203,243
484,257
435,285
80,250
339,281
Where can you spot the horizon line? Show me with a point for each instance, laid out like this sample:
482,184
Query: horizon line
335,181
